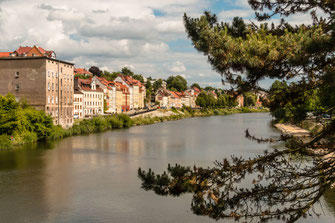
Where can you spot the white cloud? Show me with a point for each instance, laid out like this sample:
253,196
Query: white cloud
178,67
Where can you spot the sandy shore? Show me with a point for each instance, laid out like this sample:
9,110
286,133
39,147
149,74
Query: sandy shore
156,113
293,130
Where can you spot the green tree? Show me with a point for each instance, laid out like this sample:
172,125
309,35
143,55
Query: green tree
126,71
157,84
249,99
95,71
196,85
176,82
280,189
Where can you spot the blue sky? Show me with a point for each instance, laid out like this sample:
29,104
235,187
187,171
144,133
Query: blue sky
147,36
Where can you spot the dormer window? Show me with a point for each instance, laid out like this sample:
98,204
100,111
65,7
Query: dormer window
17,74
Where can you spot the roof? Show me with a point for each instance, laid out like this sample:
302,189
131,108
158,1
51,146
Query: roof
105,82
22,50
35,58
25,50
85,84
77,92
130,81
82,71
121,87
174,94
5,54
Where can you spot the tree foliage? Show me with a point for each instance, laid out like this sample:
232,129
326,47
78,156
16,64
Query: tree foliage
280,187
177,83
95,71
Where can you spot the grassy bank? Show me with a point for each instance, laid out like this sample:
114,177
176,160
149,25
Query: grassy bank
188,113
28,125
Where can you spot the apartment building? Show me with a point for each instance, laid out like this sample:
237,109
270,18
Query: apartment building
109,93
137,91
93,99
122,102
46,83
78,105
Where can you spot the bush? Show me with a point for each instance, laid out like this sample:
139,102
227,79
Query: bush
5,142
29,137
114,122
126,120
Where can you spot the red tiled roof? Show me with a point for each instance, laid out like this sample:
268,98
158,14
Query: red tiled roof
82,71
174,94
5,54
85,84
22,50
122,87
130,81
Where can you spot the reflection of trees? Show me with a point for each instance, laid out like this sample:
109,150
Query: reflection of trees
329,197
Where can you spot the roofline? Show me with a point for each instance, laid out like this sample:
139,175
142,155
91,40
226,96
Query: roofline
32,58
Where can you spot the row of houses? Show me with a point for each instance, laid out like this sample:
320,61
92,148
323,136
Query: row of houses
49,84
52,85
169,99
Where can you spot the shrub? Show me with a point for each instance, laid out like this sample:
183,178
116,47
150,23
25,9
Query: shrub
5,142
29,137
126,120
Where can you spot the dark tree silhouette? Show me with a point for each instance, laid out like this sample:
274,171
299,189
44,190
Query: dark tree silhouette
282,187
95,71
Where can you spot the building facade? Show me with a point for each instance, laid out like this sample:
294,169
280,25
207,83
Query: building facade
137,91
46,84
78,105
93,99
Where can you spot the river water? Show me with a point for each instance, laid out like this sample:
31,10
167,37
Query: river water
93,178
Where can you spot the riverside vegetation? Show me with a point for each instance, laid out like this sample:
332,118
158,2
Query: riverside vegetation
21,123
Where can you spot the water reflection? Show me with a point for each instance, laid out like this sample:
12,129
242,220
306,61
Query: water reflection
93,178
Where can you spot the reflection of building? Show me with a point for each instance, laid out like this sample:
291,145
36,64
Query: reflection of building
46,83
93,96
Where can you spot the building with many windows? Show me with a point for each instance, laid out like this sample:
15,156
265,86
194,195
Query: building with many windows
93,99
45,82
137,91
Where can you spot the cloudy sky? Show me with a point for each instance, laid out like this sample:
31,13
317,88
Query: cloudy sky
148,36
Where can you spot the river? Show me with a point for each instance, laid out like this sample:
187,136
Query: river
93,178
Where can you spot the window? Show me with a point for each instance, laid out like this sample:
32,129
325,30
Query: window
52,100
56,74
17,74
17,87
56,87
52,86
56,99
52,74
48,99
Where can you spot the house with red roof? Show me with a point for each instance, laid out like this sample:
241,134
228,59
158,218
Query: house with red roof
136,89
82,71
93,96
35,51
122,97
109,93
5,54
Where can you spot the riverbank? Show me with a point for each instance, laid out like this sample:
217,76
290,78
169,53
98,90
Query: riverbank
292,130
105,123
174,114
